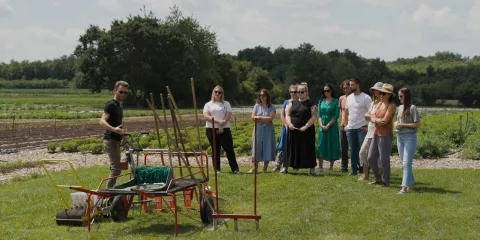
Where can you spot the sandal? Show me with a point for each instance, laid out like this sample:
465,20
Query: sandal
362,179
375,182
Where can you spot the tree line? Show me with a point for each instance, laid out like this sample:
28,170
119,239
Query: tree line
63,68
151,53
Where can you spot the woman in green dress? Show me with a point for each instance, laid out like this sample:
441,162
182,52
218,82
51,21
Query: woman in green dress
328,146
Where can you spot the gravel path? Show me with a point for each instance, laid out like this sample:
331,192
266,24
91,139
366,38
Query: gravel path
81,160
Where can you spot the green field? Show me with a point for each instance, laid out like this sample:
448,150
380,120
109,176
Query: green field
444,205
60,104
31,99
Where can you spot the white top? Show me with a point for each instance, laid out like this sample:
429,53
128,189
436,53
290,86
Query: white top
218,110
357,107
371,126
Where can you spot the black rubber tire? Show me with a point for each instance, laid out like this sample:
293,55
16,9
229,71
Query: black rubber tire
205,211
118,211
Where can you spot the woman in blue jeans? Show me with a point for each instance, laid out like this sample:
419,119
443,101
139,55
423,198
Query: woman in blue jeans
406,126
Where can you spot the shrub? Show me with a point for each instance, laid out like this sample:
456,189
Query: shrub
471,148
94,148
97,148
433,147
144,142
69,146
84,148
153,144
52,147
245,148
89,140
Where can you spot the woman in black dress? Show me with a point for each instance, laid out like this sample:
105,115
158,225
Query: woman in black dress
300,117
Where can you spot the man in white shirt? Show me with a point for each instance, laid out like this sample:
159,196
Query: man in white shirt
356,108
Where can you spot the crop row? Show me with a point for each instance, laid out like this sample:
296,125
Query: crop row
439,136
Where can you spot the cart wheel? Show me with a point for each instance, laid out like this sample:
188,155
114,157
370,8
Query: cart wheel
205,211
118,211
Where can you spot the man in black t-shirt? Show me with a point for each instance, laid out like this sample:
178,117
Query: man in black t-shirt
111,121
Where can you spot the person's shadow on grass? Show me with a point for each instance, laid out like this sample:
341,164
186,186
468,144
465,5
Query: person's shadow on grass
422,189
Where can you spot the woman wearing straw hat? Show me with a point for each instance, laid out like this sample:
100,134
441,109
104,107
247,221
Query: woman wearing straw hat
371,128
381,146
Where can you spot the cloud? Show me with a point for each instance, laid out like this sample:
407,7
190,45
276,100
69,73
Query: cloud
370,35
474,17
381,3
162,6
35,43
423,28
55,3
424,14
300,10
110,5
320,16
298,4
238,28
6,8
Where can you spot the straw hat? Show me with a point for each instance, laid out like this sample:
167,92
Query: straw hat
377,86
387,88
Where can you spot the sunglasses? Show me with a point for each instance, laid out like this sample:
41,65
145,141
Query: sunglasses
301,92
122,92
328,90
293,92
218,92
261,95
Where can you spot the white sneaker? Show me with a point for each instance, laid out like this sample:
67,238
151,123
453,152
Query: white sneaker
319,170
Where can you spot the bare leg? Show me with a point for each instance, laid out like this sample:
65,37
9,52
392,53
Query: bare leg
320,166
365,174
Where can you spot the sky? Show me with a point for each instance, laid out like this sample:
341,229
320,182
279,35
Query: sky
389,29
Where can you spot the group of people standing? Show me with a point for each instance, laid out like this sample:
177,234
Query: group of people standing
356,121
366,127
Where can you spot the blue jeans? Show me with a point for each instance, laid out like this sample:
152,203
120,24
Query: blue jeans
344,149
355,140
407,145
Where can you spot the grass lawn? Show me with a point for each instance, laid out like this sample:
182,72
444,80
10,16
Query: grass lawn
444,205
